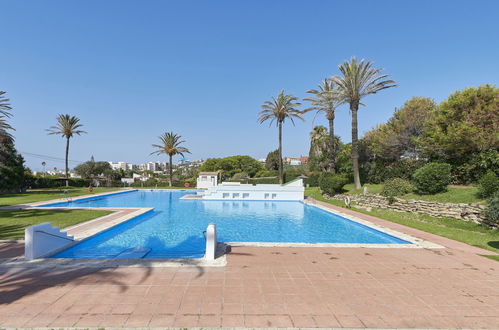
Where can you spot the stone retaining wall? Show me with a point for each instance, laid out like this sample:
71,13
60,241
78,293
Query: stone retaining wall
466,212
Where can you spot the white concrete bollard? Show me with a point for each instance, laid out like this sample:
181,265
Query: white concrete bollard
211,241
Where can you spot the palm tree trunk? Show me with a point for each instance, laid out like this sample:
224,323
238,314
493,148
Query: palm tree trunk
281,176
67,167
354,108
332,144
171,170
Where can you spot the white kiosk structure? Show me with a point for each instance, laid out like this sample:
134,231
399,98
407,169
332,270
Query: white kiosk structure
207,180
291,191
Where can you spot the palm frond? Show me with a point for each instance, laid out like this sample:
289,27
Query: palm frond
280,108
67,126
170,145
359,79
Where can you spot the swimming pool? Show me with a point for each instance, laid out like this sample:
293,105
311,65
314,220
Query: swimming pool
174,229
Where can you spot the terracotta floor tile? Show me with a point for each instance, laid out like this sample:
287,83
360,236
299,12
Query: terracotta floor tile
41,320
232,308
66,320
138,320
123,308
326,321
115,320
209,321
17,320
303,321
257,321
162,320
186,320
89,321
349,321
232,320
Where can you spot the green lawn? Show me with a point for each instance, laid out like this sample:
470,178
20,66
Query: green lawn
458,230
454,194
38,195
13,222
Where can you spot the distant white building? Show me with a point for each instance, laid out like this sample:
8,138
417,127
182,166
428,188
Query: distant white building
121,166
139,177
207,180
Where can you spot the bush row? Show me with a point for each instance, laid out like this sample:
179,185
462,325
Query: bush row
44,182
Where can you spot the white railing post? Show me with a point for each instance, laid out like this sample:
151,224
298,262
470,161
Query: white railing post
211,241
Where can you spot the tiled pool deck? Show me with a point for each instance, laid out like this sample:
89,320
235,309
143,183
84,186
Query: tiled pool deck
266,287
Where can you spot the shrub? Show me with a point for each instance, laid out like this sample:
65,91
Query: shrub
313,179
240,176
488,185
492,210
274,180
332,184
396,187
265,173
432,178
50,182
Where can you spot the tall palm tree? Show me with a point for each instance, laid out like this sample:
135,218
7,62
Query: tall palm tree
66,127
357,80
326,99
5,109
170,145
278,109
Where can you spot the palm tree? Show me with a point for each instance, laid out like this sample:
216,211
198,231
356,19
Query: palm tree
43,165
5,109
278,109
317,140
318,149
357,80
66,127
170,145
326,99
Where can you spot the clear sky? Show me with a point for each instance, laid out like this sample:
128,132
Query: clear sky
132,70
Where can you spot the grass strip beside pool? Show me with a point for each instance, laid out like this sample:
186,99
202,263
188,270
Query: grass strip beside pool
454,194
39,195
13,222
462,231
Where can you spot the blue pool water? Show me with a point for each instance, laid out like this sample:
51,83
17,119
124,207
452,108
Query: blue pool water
174,229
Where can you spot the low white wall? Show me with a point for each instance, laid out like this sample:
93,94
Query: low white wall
238,191
43,239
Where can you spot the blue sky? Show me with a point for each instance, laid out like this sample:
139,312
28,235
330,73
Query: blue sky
132,70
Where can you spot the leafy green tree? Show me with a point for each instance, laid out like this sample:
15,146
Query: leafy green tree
272,160
229,166
398,137
67,126
11,163
171,145
466,123
279,109
91,169
326,100
11,167
357,80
